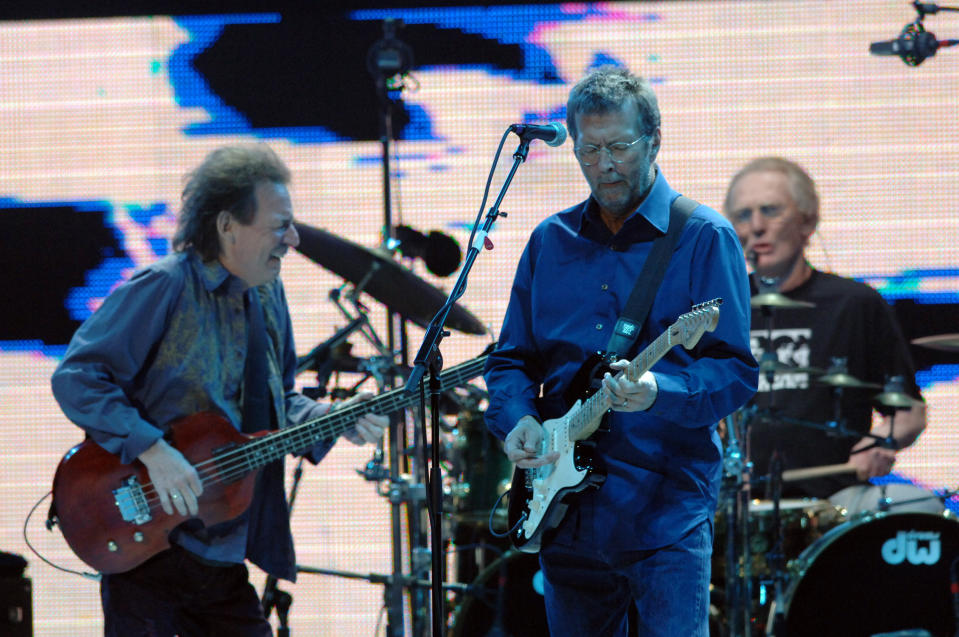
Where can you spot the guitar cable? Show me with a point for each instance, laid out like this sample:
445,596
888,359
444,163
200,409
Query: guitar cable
492,516
51,522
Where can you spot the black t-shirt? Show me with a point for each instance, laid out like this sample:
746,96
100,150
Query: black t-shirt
850,320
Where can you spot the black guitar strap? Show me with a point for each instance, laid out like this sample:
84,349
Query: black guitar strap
647,284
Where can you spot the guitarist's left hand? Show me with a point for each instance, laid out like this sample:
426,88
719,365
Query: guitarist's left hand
627,395
369,427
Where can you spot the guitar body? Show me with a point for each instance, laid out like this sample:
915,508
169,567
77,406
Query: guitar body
542,495
113,525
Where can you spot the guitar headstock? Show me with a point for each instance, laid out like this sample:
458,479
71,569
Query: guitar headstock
702,318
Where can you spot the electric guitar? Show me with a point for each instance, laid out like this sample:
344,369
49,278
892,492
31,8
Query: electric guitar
110,514
537,495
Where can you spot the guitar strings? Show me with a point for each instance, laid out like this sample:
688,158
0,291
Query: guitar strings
237,462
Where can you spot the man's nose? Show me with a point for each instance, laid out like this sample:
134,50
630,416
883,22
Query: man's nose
757,222
291,237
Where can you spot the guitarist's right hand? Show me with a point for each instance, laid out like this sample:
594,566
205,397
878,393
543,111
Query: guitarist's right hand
524,444
174,478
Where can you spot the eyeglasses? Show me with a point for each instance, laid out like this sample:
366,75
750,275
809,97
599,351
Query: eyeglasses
619,152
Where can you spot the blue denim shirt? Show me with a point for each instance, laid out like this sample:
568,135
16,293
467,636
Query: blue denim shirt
171,342
573,279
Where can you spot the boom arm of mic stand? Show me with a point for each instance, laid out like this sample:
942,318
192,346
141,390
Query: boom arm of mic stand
429,357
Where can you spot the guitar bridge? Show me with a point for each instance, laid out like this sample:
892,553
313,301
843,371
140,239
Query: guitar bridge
131,502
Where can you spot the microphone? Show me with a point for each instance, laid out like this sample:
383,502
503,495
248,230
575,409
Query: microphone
439,251
913,45
554,133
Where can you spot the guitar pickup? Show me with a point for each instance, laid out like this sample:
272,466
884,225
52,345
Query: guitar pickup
131,502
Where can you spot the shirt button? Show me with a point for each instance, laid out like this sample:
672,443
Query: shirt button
599,326
604,287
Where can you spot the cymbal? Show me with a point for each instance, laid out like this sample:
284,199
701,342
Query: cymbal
895,399
386,280
842,379
776,367
947,342
775,299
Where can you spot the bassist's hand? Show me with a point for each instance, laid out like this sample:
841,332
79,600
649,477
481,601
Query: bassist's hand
525,443
175,480
369,427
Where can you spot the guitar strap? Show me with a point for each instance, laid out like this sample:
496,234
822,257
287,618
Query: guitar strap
647,284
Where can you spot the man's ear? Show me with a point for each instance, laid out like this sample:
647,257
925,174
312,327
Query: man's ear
224,226
657,139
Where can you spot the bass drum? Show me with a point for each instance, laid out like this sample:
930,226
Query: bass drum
505,599
877,574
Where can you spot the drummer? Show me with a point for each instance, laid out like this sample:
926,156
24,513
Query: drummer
773,205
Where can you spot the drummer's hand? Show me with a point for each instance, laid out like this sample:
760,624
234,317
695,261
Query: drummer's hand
626,395
523,444
871,463
369,427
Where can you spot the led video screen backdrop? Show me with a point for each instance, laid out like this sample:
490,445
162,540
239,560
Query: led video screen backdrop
101,118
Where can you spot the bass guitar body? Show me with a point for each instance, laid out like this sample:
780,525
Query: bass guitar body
111,516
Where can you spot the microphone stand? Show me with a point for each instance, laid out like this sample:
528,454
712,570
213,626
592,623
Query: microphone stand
388,59
429,359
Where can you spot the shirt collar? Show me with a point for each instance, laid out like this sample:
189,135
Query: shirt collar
214,275
648,221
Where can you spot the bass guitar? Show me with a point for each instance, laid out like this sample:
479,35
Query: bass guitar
538,496
110,514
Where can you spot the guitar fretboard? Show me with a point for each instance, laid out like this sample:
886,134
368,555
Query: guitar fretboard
261,451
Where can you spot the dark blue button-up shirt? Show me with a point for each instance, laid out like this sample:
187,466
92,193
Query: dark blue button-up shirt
169,343
573,279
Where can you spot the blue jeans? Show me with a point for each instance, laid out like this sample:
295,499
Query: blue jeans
589,594
173,593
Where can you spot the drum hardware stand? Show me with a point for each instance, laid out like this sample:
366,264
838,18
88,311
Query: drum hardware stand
736,475
273,596
389,61
776,556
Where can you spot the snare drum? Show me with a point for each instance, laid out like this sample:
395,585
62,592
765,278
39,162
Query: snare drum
802,522
899,498
879,573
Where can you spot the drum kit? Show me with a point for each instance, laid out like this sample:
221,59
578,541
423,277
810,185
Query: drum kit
868,560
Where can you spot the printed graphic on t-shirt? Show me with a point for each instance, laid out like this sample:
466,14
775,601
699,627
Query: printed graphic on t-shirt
792,347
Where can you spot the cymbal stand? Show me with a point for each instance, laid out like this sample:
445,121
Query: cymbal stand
774,487
776,556
736,477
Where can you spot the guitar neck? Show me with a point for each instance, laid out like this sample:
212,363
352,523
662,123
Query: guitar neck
687,329
586,421
273,446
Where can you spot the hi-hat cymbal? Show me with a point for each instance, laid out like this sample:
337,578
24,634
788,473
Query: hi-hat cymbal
776,367
387,281
842,379
946,342
777,300
895,399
